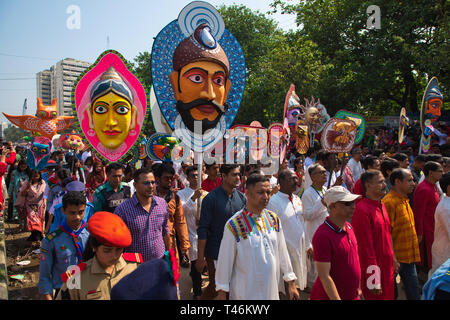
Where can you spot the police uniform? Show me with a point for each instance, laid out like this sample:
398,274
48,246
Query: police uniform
106,199
89,281
58,252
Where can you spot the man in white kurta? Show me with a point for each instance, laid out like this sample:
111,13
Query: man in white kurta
288,208
355,164
314,212
253,253
189,198
440,250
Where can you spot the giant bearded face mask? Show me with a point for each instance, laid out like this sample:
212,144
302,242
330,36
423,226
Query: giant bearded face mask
200,80
201,90
198,77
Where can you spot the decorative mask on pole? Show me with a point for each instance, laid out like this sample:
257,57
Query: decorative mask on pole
301,137
315,114
46,122
39,152
198,73
403,123
292,106
430,111
339,135
357,119
161,146
110,105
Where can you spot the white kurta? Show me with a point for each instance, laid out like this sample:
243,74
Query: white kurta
356,169
290,214
440,251
190,212
250,262
314,213
308,181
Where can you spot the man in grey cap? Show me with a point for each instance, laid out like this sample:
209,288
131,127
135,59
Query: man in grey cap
336,250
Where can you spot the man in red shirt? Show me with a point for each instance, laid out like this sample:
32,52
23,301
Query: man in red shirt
336,250
369,163
425,200
213,180
372,229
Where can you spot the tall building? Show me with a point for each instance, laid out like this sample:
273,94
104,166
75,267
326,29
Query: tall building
44,86
60,78
4,125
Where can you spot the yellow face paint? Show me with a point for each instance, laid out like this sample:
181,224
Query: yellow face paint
201,80
112,118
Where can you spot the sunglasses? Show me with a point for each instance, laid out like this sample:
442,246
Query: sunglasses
347,203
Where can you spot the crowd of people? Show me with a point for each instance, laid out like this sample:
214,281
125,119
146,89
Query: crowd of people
333,228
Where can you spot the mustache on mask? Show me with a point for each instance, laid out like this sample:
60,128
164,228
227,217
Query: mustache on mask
201,102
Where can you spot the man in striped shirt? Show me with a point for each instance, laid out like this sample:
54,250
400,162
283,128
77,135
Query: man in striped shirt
147,217
403,233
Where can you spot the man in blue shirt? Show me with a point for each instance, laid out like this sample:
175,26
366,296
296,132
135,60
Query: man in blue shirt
217,207
63,247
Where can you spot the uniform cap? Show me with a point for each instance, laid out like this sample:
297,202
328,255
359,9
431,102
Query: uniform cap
75,186
109,229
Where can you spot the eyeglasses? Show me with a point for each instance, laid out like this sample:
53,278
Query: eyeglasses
194,175
321,172
147,183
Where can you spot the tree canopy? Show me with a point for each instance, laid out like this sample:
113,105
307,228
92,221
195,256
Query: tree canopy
336,57
15,134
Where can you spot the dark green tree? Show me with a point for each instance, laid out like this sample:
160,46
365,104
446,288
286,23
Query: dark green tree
15,134
274,59
376,70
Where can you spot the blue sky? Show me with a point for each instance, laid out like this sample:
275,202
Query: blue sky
37,31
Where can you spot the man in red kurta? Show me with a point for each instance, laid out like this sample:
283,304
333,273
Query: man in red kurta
425,200
372,229
213,180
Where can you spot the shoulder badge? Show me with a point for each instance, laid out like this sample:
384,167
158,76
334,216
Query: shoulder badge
68,274
53,234
132,257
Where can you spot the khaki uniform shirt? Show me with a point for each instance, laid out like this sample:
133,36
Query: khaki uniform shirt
95,283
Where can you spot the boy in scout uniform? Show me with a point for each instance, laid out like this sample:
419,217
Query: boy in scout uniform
106,264
64,246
